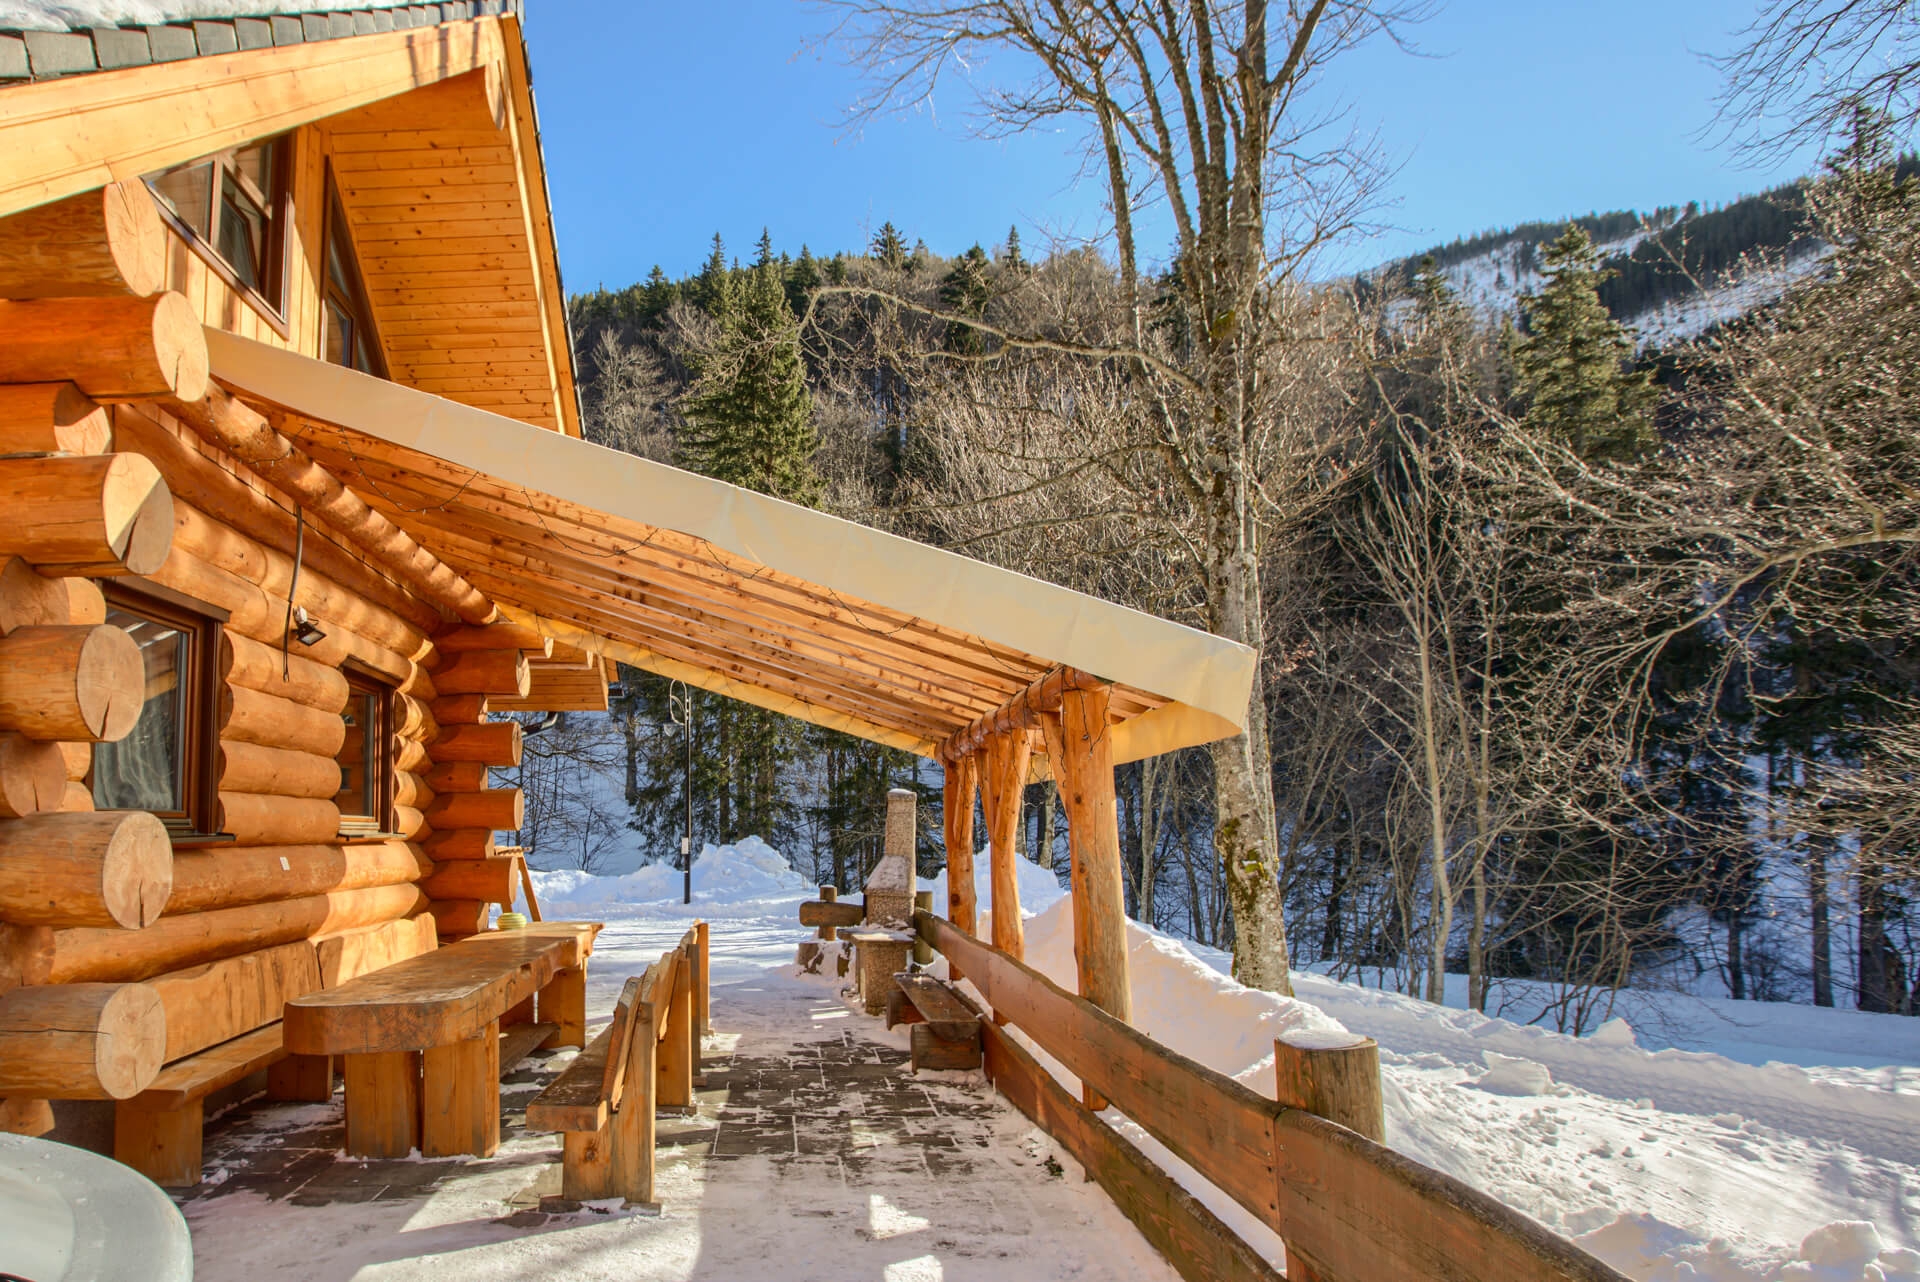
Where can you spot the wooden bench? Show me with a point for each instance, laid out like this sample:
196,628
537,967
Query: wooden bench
421,1039
945,1031
645,1060
158,1132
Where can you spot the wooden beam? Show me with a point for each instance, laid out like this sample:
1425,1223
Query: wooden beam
141,119
91,514
110,868
1022,712
47,418
81,1041
249,436
106,242
1004,776
113,349
83,683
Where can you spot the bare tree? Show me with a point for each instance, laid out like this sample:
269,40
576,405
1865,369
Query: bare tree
1198,110
1806,67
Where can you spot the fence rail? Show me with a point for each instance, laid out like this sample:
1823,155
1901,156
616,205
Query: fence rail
1350,1210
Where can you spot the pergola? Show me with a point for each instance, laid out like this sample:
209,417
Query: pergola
776,605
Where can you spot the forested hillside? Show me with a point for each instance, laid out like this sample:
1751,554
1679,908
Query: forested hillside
1571,676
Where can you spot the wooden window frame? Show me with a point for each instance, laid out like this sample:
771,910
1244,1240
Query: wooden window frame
279,208
362,680
200,731
354,299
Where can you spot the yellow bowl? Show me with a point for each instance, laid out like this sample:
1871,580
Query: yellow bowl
510,921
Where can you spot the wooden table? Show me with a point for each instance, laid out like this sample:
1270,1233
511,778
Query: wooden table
421,1038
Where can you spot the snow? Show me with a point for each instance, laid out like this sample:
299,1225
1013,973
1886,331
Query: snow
61,15
1726,1165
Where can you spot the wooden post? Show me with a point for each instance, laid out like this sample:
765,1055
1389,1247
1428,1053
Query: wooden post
630,1133
526,887
1082,752
460,1096
702,996
383,1103
1340,1083
304,1078
563,1002
957,793
828,895
675,1070
1006,773
163,1144
922,950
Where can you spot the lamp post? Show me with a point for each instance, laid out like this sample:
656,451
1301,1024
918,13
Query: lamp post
680,703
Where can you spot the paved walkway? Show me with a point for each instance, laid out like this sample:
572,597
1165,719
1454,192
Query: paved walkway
814,1153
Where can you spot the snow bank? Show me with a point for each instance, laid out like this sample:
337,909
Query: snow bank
747,871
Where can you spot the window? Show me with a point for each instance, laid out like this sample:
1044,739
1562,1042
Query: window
233,208
350,337
366,758
166,765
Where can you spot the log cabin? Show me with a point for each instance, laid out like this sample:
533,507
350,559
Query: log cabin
298,504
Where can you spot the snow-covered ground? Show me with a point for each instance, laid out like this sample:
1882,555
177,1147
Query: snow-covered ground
1669,1164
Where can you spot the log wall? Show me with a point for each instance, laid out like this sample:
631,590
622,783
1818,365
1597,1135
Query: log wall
248,919
111,934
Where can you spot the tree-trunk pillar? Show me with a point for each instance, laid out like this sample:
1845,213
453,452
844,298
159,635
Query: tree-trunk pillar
1007,758
957,810
1081,745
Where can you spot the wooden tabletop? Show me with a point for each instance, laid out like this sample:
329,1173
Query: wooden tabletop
439,997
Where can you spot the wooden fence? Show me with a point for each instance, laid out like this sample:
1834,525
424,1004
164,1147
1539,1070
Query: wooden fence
1349,1210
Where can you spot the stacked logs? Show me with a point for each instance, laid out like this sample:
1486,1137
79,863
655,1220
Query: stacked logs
468,876
84,324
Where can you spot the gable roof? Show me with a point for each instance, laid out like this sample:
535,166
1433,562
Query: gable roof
487,323
729,590
41,40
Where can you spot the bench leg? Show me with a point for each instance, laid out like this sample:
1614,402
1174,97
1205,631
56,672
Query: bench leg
674,1088
383,1104
702,1006
632,1123
162,1144
460,1097
564,1002
586,1165
304,1078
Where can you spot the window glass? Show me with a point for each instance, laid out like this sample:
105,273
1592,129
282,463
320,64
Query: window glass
350,337
189,193
363,757
243,235
146,770
231,206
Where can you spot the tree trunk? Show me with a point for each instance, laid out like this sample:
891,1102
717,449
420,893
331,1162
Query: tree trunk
1048,799
1822,925
1736,967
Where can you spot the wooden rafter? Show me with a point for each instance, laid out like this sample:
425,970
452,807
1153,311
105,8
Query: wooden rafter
1022,712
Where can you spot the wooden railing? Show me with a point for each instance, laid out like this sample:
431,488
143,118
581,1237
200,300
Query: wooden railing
1348,1209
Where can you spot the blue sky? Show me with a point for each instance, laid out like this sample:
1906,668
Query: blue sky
665,122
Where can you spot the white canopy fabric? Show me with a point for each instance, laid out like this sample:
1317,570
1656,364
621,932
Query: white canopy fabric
730,590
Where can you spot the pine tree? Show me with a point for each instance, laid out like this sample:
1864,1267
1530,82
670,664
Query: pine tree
1572,366
749,415
803,280
711,284
964,291
763,251
1012,257
888,248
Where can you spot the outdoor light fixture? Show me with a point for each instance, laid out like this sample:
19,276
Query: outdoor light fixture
305,630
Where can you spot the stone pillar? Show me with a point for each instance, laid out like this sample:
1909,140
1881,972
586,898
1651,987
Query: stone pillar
889,891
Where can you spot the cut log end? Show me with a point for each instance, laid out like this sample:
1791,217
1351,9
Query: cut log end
33,776
133,1040
138,874
110,683
180,347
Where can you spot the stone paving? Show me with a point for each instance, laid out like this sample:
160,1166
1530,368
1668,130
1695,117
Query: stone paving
842,1105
